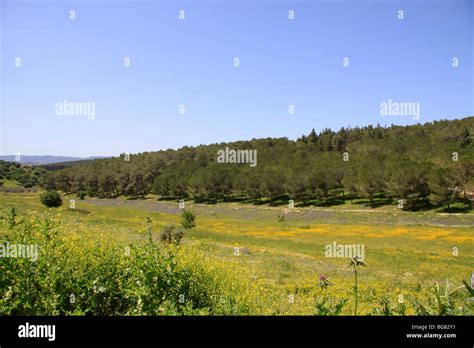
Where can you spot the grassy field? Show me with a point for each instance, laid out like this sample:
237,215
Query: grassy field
10,183
275,256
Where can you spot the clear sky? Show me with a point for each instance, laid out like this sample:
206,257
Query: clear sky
190,62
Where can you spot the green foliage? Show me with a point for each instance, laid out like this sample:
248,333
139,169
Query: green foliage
408,181
444,299
394,163
100,279
298,186
328,306
74,276
369,181
10,217
469,289
51,199
81,194
465,137
26,175
275,183
171,234
188,219
444,186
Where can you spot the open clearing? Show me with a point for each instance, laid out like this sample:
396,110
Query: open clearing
406,253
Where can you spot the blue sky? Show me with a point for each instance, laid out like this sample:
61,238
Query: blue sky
190,62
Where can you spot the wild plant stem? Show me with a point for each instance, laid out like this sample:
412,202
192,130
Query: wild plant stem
150,235
355,288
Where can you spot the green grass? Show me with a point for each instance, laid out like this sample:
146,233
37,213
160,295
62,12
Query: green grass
10,183
406,253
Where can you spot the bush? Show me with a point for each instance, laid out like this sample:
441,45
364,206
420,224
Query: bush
73,277
171,234
188,219
29,184
51,199
81,194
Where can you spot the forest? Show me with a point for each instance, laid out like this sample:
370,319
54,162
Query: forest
418,167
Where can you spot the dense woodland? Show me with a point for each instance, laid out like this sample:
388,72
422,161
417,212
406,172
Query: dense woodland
26,176
423,165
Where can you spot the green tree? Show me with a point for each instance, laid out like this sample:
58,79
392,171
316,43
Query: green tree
274,182
63,182
443,185
107,185
408,180
298,187
256,188
92,185
320,182
350,180
465,137
369,181
137,186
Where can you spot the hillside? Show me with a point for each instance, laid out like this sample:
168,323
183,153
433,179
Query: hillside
13,175
421,165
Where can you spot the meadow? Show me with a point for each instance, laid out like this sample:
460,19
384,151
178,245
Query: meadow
104,257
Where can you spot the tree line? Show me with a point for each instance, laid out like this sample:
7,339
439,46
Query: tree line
25,176
414,166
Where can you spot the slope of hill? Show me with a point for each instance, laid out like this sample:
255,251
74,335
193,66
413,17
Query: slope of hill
14,174
418,165
62,165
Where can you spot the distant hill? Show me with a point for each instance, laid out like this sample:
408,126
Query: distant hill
42,160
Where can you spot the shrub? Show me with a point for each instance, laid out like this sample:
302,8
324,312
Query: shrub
188,219
51,199
29,184
78,278
328,306
171,234
81,194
